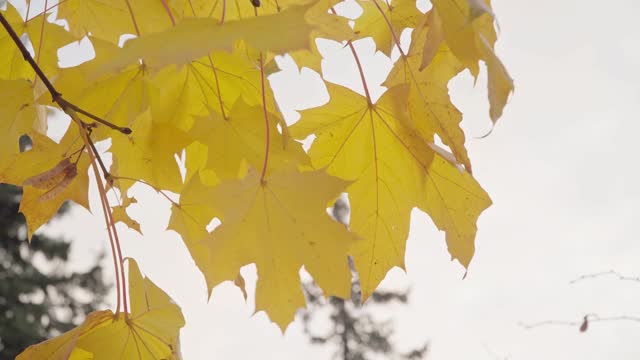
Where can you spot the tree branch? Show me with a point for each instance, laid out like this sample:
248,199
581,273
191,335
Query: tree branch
583,324
604,273
56,97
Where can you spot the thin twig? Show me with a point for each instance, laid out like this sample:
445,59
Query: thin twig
124,130
105,172
549,322
360,69
168,11
133,18
605,273
591,318
106,212
395,37
266,121
56,97
157,189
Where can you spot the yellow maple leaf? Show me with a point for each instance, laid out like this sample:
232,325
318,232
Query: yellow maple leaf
400,13
50,174
12,64
39,204
329,26
225,149
178,94
238,141
116,97
148,154
18,114
224,11
45,38
193,38
393,170
190,217
469,32
150,331
280,224
310,58
192,214
428,102
120,214
213,82
63,346
108,20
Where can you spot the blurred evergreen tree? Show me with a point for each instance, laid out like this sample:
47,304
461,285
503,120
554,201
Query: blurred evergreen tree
39,296
357,334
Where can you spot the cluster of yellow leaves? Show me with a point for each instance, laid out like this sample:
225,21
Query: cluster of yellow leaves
191,78
150,331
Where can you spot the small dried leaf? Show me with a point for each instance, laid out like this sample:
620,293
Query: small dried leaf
49,178
69,173
585,324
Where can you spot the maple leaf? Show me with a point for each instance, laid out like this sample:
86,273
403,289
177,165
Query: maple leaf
39,204
393,170
228,147
190,217
429,105
330,26
18,116
193,38
108,20
310,58
213,82
150,331
238,141
118,98
192,214
120,214
63,346
224,11
45,38
280,225
49,177
148,154
471,37
400,13
12,64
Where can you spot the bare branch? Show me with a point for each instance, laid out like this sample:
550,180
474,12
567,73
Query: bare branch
549,322
605,273
582,324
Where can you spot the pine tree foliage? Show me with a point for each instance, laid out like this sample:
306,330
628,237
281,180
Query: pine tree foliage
354,330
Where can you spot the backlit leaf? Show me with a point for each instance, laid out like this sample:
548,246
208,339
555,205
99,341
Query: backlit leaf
400,13
194,38
280,224
150,331
471,36
393,170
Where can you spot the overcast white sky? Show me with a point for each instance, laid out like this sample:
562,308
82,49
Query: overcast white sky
561,169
